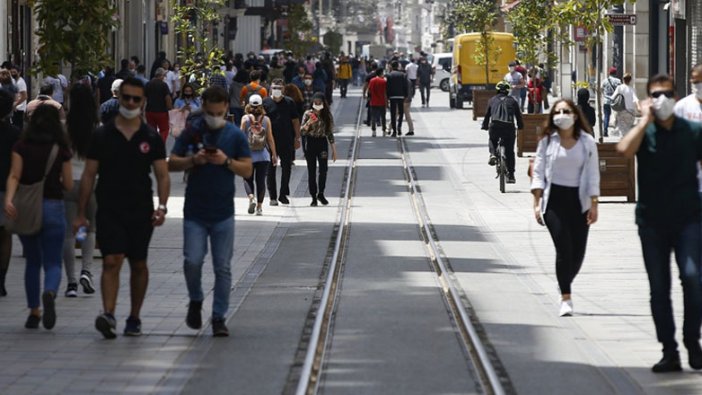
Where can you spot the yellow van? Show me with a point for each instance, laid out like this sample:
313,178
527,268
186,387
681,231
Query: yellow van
467,75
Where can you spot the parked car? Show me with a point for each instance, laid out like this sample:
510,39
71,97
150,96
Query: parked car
442,63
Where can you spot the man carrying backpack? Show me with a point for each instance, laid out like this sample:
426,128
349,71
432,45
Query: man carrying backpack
499,120
609,85
253,88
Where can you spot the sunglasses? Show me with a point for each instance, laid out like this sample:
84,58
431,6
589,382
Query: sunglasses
563,111
135,99
668,94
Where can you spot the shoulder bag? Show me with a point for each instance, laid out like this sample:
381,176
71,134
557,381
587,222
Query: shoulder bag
28,201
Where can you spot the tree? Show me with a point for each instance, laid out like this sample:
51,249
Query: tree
300,38
478,16
74,32
194,21
333,41
530,20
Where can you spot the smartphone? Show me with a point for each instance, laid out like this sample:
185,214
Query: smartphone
210,149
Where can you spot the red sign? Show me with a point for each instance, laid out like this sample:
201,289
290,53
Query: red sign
580,33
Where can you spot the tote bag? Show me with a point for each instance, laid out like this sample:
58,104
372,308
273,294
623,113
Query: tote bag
28,201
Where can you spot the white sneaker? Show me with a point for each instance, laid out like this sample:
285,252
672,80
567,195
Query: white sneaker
566,308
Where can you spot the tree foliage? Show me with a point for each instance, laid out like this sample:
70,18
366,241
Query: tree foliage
333,41
199,54
74,32
300,38
531,20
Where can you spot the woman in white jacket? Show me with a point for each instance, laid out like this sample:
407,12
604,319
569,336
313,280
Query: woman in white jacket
566,186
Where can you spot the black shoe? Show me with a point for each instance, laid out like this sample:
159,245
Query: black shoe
493,160
322,199
32,322
511,179
107,325
219,328
3,291
48,319
694,355
669,363
283,199
399,133
194,317
393,134
410,133
314,203
72,290
133,327
86,280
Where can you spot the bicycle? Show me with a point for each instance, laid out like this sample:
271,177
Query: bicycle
501,164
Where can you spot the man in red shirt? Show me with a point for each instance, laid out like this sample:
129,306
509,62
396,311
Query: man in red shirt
378,100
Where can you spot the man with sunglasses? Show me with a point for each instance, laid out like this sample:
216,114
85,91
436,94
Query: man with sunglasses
123,153
668,215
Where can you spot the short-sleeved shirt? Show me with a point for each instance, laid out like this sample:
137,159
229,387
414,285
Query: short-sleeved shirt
124,180
377,87
21,87
109,110
8,137
667,175
209,195
514,78
34,158
282,115
156,92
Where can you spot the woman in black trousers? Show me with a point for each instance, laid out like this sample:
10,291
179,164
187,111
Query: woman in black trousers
318,132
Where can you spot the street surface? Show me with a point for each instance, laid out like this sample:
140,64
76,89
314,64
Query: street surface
503,259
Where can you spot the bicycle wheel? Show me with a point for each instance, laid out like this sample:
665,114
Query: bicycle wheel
502,167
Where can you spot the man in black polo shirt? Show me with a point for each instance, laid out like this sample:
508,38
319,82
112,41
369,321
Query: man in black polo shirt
668,214
286,131
123,153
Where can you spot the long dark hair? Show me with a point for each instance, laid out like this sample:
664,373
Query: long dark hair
45,127
581,122
82,120
325,114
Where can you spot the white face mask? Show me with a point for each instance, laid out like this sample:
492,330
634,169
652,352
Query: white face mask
276,93
129,114
318,107
663,107
564,121
214,122
308,82
697,89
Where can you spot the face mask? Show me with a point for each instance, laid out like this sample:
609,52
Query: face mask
214,122
301,75
697,89
129,114
663,107
276,93
563,121
318,107
308,82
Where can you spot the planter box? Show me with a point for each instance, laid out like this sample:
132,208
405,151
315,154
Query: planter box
528,138
617,176
480,102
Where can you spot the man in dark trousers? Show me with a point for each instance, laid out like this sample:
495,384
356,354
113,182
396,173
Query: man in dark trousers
328,65
502,111
285,121
396,92
424,74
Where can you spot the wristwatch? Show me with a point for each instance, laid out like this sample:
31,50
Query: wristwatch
227,162
163,208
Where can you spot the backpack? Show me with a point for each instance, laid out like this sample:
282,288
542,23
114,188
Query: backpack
502,111
618,103
256,133
251,90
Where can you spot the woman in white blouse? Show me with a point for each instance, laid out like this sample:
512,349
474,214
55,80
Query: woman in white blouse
566,186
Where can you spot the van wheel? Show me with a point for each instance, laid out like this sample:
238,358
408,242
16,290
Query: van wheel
444,85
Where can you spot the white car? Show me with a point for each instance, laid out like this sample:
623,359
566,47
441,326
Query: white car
442,63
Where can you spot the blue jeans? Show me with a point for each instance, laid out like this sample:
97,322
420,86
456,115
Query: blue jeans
221,236
657,243
44,250
605,122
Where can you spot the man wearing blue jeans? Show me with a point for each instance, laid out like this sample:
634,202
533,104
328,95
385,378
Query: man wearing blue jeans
221,151
668,214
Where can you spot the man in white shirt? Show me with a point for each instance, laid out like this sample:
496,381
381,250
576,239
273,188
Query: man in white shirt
627,116
516,80
411,70
690,107
20,104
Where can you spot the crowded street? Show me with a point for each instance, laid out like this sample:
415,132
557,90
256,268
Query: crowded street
391,332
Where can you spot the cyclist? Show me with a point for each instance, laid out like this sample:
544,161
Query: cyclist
502,111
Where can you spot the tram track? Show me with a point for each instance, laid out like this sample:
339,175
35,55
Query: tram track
306,376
